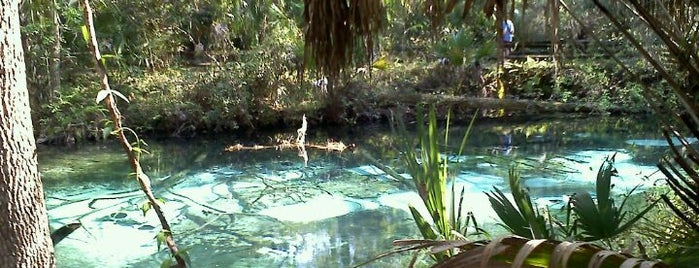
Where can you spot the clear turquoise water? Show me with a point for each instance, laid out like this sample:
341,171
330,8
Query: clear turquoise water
266,208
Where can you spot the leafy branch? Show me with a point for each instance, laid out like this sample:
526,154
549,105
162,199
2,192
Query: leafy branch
108,96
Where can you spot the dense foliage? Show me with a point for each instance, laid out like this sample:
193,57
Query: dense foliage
218,66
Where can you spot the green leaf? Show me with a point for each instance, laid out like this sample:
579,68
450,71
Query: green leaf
102,95
512,219
535,221
106,131
424,227
160,238
167,263
604,181
145,207
381,63
276,10
86,33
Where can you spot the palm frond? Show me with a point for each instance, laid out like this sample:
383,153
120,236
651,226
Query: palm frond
523,220
515,251
604,219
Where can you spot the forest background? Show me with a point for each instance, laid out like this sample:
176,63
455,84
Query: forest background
207,67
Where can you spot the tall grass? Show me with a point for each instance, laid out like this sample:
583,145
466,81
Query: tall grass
428,167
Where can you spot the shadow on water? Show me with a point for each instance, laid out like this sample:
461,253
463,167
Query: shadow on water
265,208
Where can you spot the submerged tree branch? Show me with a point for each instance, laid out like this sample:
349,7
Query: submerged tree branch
110,102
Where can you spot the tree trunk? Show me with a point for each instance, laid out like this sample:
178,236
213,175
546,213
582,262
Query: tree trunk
499,19
523,35
55,69
24,224
555,40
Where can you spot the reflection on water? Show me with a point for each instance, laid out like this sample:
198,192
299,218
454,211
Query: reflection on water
271,209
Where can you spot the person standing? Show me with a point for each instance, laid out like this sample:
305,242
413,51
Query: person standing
508,33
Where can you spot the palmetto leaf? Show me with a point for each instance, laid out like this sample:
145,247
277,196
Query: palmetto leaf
603,220
522,220
512,220
603,185
595,225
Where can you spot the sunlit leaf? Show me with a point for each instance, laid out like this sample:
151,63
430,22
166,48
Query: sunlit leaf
145,207
501,89
424,227
106,131
381,63
276,10
86,33
101,95
160,238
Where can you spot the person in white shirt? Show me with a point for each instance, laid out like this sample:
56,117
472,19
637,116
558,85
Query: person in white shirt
508,33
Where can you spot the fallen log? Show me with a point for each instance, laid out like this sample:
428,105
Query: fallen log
329,146
509,105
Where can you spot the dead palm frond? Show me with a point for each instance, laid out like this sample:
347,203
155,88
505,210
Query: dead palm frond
516,251
332,28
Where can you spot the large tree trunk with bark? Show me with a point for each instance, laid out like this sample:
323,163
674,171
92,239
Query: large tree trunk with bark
24,233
